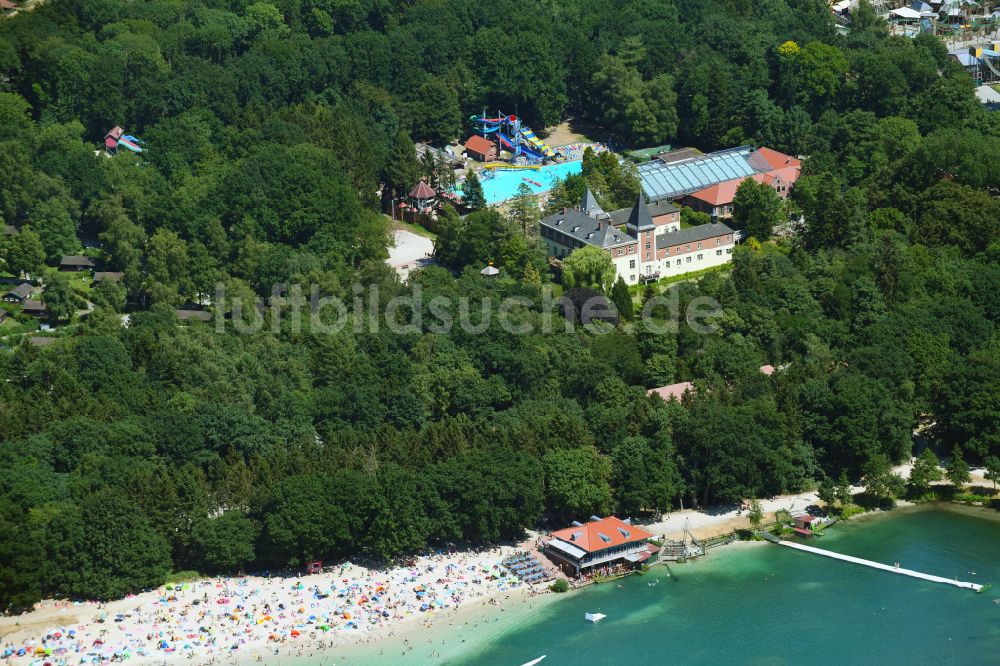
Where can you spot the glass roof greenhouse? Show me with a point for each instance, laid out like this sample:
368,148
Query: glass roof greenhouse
665,180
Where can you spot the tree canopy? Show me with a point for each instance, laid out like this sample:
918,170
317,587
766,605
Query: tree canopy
276,136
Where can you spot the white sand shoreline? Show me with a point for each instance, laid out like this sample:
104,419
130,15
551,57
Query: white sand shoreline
205,620
228,619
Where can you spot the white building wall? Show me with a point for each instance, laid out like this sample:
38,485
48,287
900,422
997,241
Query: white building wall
631,269
695,260
627,266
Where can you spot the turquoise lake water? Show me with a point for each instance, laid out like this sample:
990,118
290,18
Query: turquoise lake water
759,604
504,184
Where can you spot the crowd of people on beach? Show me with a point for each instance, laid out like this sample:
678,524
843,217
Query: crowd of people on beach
218,618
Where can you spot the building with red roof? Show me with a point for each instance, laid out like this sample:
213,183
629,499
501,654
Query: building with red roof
480,148
708,182
671,391
599,545
423,191
717,200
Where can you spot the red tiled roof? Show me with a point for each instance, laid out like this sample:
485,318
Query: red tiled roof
478,144
422,191
671,391
788,174
723,193
777,160
7,4
588,537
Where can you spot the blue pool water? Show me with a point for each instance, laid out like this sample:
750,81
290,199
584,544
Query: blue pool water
504,184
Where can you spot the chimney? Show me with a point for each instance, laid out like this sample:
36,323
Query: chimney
600,225
564,210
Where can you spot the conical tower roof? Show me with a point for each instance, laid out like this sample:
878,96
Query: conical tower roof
589,205
639,218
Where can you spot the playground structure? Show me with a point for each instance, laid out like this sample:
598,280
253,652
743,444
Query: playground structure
116,138
524,147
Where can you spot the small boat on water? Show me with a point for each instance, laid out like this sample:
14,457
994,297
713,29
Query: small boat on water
534,661
594,617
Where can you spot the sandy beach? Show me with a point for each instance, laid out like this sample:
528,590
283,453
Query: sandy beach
217,620
253,618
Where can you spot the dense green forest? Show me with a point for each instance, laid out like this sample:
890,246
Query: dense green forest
130,452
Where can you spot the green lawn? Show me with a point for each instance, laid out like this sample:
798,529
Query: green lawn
81,282
415,228
663,284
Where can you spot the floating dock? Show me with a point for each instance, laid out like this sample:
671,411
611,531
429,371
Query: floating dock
884,567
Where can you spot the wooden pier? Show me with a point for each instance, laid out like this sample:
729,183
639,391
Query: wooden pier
883,567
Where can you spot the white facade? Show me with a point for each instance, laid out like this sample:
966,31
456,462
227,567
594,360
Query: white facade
644,244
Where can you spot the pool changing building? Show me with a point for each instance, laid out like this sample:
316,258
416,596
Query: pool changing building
602,542
645,242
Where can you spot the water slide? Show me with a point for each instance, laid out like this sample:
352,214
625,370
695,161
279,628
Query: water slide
987,57
124,142
525,150
537,143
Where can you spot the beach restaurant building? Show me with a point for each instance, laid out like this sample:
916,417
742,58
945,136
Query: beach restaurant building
599,545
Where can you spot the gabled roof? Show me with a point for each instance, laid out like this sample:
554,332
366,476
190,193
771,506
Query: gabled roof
770,159
662,207
423,191
200,315
722,193
640,218
76,260
675,391
33,306
22,291
478,144
582,227
115,133
41,340
111,276
10,230
692,234
600,534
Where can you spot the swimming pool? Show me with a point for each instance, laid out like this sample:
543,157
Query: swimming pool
504,184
